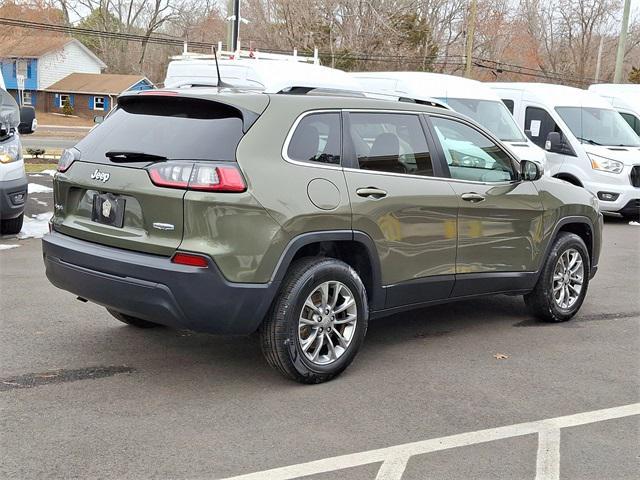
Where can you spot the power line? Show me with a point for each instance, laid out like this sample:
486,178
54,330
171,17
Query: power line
431,60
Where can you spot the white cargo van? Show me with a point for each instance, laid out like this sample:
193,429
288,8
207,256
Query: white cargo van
469,97
625,98
588,143
270,76
13,179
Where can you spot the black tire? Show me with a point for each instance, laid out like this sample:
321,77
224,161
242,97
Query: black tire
12,226
279,331
133,321
541,300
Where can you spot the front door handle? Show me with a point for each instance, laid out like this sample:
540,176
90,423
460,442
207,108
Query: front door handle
371,192
472,197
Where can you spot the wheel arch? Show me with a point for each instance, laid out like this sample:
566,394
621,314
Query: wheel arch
355,248
568,177
579,225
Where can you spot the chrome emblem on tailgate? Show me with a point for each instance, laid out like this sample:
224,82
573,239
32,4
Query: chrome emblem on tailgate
163,226
106,208
101,176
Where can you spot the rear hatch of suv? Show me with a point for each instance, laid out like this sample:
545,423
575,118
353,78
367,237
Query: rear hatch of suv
123,185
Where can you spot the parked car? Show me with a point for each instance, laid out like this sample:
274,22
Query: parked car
13,178
624,98
302,217
588,143
466,96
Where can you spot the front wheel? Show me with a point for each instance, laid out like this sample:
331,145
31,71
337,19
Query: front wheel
563,282
318,321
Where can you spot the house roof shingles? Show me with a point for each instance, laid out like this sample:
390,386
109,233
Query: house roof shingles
31,46
109,84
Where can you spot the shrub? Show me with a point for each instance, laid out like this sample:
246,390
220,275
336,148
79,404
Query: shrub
36,152
67,109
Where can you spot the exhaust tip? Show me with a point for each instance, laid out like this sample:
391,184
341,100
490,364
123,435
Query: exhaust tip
83,300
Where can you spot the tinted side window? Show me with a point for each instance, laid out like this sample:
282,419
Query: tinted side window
632,120
509,104
390,142
538,124
470,155
317,139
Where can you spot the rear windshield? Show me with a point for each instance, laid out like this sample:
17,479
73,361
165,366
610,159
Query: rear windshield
177,128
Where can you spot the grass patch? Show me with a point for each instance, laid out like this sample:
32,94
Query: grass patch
39,167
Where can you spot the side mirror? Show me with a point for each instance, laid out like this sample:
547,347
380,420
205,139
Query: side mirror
98,119
28,122
554,142
530,170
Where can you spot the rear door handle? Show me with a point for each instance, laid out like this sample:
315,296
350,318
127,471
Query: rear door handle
472,197
371,192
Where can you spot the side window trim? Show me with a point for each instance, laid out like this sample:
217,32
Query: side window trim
515,163
438,157
285,147
350,161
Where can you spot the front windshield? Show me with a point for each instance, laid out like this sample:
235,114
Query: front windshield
491,114
598,126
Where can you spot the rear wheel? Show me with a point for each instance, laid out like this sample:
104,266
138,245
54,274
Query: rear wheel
563,282
12,226
133,321
318,321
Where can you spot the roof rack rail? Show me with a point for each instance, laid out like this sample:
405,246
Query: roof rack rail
247,54
429,101
321,91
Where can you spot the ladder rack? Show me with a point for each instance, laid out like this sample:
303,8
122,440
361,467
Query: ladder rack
247,54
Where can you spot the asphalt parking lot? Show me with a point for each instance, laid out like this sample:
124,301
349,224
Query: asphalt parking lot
83,396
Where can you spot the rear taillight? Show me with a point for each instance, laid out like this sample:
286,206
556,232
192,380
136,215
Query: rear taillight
190,259
67,158
198,176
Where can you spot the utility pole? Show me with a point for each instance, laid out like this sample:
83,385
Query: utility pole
471,28
230,24
622,42
236,24
599,60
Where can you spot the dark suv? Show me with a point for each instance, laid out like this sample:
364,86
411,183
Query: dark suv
304,216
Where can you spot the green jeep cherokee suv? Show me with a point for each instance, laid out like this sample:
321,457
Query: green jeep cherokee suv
304,216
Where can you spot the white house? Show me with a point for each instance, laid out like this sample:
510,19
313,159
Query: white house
43,61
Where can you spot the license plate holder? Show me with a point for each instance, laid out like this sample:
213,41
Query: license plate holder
108,209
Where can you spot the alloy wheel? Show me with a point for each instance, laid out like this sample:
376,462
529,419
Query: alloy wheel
568,277
327,323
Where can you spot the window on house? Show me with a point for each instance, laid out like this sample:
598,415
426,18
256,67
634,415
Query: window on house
26,98
22,68
64,99
98,103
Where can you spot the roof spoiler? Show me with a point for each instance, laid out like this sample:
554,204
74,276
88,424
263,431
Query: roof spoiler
248,117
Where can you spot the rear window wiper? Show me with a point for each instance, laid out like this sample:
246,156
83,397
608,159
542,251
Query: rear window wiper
119,156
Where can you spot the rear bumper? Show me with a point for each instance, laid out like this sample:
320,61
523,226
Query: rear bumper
152,288
13,197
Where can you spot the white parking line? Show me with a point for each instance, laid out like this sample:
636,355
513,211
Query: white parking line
548,460
395,458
